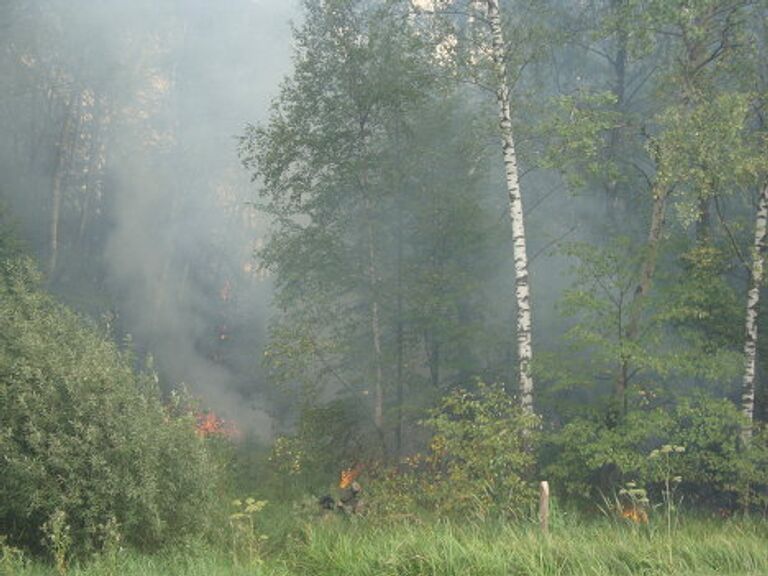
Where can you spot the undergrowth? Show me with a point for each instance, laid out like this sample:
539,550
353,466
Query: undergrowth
335,545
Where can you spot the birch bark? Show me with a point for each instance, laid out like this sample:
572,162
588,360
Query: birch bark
750,324
757,271
522,286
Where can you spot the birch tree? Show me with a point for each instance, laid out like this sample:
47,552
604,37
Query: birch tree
520,255
467,65
756,270
750,324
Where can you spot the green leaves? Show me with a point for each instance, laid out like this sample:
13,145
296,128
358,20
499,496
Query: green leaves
706,150
482,449
693,444
83,443
577,131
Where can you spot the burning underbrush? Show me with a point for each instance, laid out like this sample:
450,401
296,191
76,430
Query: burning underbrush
209,425
476,463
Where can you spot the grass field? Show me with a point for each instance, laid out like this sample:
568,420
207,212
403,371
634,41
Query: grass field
362,547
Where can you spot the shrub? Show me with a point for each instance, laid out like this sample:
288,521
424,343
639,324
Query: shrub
328,439
87,446
479,462
592,458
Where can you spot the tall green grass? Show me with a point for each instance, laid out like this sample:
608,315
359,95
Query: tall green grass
364,547
448,549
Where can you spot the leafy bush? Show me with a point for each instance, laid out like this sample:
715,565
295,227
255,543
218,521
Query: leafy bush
752,486
87,447
479,462
11,559
592,458
328,439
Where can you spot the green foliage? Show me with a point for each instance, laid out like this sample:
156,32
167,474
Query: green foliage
481,449
752,474
593,457
598,301
372,170
9,243
358,69
597,456
706,150
12,559
479,462
246,539
422,546
687,329
437,548
576,131
328,439
58,540
88,449
703,307
577,549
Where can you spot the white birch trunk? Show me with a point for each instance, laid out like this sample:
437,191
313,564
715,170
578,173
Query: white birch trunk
750,324
522,286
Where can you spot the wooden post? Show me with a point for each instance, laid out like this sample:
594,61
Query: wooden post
544,506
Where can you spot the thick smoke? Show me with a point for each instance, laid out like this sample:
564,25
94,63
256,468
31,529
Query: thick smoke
182,243
168,86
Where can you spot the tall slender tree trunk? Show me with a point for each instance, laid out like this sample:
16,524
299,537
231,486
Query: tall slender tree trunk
642,289
378,392
432,349
378,397
58,178
400,333
750,324
93,175
63,160
522,286
619,62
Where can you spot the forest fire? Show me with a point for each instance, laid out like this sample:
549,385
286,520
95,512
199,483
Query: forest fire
349,475
635,515
209,425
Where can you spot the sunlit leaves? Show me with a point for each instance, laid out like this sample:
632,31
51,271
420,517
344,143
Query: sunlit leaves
481,449
577,132
706,150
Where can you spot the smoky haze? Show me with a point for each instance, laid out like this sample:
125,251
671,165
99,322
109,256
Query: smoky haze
129,111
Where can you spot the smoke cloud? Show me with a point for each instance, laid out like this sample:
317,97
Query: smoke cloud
158,91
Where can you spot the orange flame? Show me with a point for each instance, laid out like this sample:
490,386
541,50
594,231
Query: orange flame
635,515
349,475
208,424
